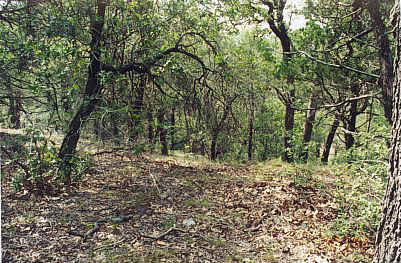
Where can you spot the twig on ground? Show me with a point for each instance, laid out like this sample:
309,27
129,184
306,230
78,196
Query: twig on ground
161,236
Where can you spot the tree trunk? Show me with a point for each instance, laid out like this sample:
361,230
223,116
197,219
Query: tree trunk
388,239
350,123
92,90
251,119
277,25
162,132
250,136
289,127
213,152
308,128
14,111
351,126
329,140
151,133
386,58
115,130
172,129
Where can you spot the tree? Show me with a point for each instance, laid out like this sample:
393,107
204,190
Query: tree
308,127
272,13
385,54
101,53
388,239
275,19
92,90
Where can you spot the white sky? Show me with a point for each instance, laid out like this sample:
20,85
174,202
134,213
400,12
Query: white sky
296,20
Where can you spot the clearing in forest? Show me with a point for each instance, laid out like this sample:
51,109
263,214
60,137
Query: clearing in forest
181,209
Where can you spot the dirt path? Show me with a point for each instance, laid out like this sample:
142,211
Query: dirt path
202,212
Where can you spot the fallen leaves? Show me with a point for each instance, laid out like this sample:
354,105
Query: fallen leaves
184,212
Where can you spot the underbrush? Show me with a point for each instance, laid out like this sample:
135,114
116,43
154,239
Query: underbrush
35,163
357,190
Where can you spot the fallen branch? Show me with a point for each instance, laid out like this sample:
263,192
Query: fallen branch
98,224
114,151
161,236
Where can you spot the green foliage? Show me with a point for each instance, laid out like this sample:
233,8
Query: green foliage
38,172
268,130
370,153
358,196
138,149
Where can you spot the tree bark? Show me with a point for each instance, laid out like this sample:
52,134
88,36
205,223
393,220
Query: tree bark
250,136
151,133
92,90
251,119
351,125
329,140
308,127
388,239
172,129
162,132
14,111
213,151
289,127
386,57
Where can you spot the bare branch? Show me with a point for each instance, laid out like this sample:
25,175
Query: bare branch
340,103
338,66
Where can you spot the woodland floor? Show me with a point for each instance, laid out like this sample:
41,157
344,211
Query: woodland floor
184,209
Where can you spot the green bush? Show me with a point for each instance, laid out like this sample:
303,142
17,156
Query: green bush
38,172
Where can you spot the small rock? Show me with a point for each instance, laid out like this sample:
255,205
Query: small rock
188,222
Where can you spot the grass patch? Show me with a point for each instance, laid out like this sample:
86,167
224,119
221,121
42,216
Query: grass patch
199,203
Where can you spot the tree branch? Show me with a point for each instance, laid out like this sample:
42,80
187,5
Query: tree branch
340,103
338,66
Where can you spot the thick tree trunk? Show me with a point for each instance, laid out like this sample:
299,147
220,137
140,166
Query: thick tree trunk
308,127
92,90
71,139
162,132
329,141
388,239
386,57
